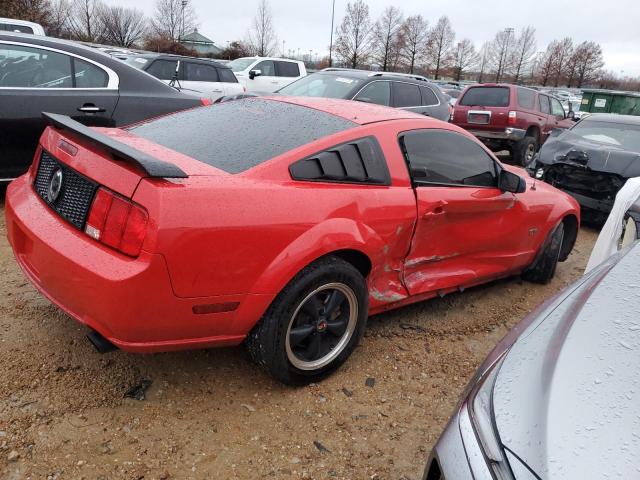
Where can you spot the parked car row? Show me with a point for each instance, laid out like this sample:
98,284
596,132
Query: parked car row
39,73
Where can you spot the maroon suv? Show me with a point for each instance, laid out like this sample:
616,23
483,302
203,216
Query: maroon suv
509,117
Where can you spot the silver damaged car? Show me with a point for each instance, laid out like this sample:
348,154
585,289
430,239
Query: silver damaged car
559,397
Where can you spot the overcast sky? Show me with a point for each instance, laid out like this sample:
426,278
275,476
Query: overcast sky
306,24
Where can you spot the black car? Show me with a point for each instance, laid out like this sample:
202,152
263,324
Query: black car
42,74
399,90
591,161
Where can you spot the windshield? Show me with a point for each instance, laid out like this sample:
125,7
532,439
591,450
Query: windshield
240,64
137,62
486,97
322,85
618,134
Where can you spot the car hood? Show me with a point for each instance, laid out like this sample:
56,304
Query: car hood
601,156
567,397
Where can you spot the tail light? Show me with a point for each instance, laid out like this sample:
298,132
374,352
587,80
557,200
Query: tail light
513,117
205,101
117,222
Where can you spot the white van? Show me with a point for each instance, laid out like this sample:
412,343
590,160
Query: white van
265,74
20,26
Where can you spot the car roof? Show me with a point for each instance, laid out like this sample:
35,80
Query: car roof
614,118
357,112
171,56
271,58
375,75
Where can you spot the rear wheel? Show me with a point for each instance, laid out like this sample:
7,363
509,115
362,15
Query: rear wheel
313,325
544,267
524,150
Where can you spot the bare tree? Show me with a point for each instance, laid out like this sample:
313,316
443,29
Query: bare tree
84,22
58,19
415,31
439,45
523,52
483,61
564,51
464,57
31,10
122,26
548,61
385,35
353,42
172,19
262,36
588,61
500,53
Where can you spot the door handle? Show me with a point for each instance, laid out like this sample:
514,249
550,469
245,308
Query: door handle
90,108
437,209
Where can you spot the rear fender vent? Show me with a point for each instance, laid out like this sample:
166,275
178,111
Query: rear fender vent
360,161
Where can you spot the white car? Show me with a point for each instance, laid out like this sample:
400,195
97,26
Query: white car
265,74
190,74
20,26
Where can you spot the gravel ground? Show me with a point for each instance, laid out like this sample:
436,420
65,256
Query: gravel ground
211,414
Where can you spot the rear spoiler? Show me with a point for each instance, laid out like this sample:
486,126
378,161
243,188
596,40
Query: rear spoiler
153,167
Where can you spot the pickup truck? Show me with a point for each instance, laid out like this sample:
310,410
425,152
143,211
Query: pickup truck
510,117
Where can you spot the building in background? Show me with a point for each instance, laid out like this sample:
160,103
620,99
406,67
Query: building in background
201,44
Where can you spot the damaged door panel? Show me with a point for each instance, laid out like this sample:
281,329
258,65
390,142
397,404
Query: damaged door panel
463,235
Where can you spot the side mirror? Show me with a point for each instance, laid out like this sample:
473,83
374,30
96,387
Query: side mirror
510,182
254,73
571,115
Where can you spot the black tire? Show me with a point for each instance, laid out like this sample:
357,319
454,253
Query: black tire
271,343
524,151
544,267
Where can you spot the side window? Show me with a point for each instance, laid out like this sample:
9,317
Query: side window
163,69
428,97
556,108
28,67
10,27
287,69
226,75
376,92
442,157
544,103
406,95
88,75
266,67
526,98
197,72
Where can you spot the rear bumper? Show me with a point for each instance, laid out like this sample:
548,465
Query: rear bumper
511,134
129,301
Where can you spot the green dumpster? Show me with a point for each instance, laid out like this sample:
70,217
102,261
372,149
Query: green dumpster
610,101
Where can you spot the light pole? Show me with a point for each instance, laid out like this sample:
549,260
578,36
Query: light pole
283,48
184,4
333,13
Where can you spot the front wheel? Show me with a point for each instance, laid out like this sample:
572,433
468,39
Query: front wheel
313,325
544,267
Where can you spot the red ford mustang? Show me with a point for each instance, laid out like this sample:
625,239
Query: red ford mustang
279,222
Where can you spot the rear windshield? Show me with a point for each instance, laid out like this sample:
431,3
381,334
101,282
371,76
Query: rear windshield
238,135
486,97
137,62
322,85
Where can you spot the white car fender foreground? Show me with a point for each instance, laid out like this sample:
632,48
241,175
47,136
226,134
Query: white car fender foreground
607,243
